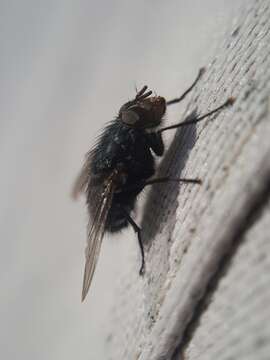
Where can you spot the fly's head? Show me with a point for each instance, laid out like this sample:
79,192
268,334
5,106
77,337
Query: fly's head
144,112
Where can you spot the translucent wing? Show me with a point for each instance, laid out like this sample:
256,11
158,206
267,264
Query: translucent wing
82,179
96,231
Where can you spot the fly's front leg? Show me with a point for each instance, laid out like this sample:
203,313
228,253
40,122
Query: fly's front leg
196,119
155,142
180,98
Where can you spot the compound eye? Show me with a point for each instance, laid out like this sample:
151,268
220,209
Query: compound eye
129,117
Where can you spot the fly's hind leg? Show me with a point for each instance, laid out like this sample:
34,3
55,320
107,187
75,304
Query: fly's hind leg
138,231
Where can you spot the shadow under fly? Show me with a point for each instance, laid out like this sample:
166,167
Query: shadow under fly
122,164
162,199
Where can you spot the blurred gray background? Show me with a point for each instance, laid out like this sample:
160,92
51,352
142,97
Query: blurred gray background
65,69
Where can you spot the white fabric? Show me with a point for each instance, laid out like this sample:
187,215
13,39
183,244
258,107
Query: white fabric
189,229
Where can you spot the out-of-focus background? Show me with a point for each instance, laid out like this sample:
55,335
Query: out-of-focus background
65,69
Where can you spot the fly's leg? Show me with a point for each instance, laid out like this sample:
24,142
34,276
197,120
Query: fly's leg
135,227
196,119
177,100
164,179
138,231
155,142
167,178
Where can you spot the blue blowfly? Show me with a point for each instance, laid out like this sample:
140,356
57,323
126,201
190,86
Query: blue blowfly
122,164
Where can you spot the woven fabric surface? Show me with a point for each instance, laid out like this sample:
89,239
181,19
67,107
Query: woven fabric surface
235,320
187,230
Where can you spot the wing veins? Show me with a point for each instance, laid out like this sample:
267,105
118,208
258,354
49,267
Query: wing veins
96,232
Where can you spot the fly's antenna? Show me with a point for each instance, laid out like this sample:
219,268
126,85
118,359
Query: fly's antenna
142,94
135,87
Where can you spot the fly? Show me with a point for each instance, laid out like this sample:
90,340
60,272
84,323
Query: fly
121,165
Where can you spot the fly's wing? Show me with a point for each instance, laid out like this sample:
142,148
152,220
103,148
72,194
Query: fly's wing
82,179
96,231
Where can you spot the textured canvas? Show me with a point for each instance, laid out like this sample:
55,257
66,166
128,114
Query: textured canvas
206,285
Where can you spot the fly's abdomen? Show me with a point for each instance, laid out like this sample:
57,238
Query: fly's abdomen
122,205
116,219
